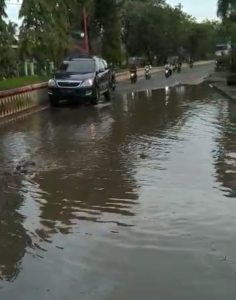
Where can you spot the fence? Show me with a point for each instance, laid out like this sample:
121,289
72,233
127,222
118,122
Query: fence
22,99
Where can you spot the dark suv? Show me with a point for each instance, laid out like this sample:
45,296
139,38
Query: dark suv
85,78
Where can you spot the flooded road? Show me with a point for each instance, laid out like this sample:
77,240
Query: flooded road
129,200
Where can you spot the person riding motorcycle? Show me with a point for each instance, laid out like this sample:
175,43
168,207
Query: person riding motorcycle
147,70
133,70
190,62
168,69
179,66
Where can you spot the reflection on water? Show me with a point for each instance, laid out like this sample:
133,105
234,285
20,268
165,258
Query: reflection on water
13,237
122,198
225,154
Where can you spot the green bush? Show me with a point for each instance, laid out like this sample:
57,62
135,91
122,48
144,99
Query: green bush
16,82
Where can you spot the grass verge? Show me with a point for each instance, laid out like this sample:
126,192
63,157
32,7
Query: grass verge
16,82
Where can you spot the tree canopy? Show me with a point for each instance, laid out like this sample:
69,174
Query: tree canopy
117,29
7,40
224,6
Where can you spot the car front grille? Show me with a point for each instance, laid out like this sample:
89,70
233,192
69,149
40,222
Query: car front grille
68,84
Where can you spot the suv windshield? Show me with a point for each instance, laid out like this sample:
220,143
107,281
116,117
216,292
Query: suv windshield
79,66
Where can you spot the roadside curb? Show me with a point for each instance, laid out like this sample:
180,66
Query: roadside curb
222,92
217,80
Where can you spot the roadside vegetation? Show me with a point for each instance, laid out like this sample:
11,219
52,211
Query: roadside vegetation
117,30
12,83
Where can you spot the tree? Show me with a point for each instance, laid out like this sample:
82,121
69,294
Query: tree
144,27
224,6
2,9
107,22
46,28
7,40
153,28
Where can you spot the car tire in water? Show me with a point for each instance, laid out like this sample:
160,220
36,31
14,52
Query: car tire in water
96,97
54,102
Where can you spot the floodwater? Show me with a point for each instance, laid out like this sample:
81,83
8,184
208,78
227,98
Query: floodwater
130,200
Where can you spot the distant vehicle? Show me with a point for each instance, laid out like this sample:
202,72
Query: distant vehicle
84,78
222,50
191,63
222,56
147,72
179,67
168,73
133,76
174,67
168,70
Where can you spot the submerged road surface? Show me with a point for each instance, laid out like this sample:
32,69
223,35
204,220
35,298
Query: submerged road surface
130,200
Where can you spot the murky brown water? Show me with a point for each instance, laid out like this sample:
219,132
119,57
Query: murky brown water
134,200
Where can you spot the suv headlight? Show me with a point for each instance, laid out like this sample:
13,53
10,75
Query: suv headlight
87,83
51,83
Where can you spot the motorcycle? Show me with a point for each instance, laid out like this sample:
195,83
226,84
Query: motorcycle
168,73
191,65
133,77
147,74
174,67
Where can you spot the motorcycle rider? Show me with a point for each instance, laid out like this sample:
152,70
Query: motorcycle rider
191,62
133,70
179,66
168,68
147,70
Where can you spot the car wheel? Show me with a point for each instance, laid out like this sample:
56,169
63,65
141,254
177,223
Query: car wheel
96,97
54,102
107,95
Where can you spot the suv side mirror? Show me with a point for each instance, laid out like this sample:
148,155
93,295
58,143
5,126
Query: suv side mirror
101,70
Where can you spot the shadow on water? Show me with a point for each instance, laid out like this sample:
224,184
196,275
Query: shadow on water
14,239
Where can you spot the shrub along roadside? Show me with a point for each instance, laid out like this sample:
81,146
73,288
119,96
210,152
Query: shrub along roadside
16,82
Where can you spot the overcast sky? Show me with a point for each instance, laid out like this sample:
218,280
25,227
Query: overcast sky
201,9
13,11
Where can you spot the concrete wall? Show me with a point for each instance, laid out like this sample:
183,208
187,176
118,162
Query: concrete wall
22,99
